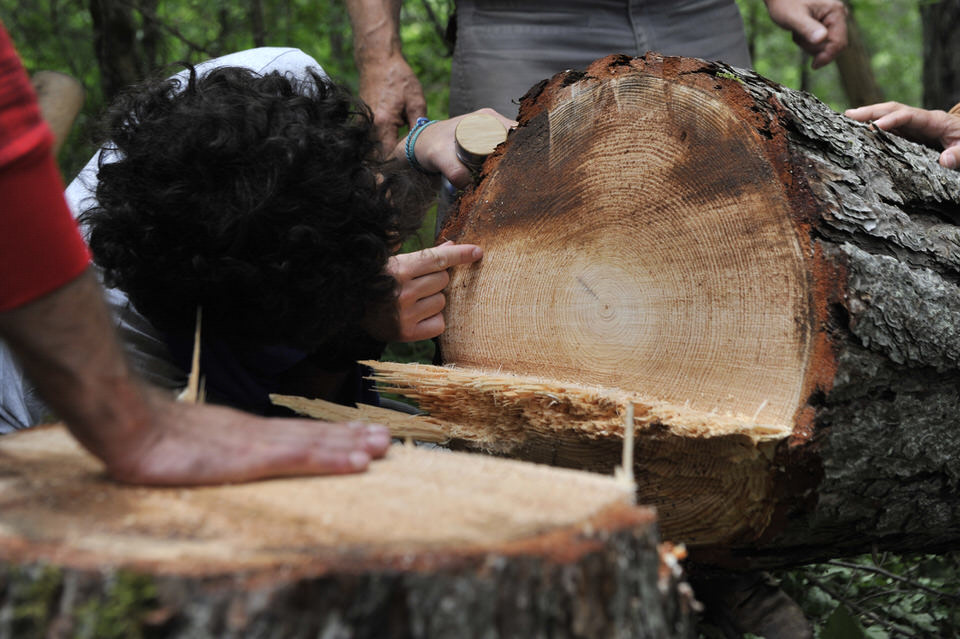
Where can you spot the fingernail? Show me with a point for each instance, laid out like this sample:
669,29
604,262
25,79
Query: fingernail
359,460
357,425
377,439
477,253
818,34
948,161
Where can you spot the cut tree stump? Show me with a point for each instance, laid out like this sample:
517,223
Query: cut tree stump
772,285
425,544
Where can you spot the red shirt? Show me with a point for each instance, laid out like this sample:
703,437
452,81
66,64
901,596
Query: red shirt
40,246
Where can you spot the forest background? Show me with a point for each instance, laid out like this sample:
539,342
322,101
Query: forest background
903,50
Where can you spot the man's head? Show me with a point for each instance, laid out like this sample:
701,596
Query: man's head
253,196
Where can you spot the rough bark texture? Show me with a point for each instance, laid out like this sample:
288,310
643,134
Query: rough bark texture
836,315
941,55
426,544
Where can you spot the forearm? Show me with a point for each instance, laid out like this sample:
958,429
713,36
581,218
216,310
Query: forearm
66,344
376,29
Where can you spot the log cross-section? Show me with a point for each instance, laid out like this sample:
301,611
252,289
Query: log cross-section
775,283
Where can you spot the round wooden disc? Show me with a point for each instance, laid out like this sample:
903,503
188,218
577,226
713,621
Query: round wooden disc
635,236
477,136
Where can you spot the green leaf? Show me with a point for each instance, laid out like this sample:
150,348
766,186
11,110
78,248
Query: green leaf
842,625
876,632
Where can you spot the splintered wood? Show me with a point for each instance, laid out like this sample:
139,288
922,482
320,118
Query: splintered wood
501,412
419,427
708,474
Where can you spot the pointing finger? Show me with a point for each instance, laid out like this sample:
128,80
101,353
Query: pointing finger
442,257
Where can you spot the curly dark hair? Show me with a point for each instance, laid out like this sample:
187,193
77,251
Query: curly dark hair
255,196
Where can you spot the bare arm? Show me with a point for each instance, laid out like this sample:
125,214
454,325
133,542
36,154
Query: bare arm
387,83
920,125
818,26
66,343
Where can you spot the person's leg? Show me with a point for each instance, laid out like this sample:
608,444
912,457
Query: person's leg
503,48
708,29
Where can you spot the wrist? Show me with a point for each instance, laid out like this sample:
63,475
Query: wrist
410,146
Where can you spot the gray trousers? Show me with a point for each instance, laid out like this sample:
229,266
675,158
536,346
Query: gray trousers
505,47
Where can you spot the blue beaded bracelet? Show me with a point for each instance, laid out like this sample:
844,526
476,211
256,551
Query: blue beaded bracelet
411,144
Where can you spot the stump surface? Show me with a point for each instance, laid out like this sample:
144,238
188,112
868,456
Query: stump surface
410,507
424,544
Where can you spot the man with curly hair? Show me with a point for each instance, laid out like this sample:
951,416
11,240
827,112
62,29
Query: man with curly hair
248,187
52,317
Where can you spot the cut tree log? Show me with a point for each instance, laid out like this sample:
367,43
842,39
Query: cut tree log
424,544
772,285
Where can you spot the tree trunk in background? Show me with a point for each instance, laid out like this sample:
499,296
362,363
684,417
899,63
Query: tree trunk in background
256,22
425,544
115,43
941,53
152,41
338,26
856,72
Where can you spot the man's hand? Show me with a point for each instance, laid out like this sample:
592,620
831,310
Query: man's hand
393,93
184,444
819,26
421,277
927,127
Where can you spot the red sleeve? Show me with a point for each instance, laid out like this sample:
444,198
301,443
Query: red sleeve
40,246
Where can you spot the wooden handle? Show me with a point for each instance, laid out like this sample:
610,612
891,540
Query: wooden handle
955,110
477,136
60,97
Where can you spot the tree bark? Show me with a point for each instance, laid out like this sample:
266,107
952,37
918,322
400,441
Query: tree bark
772,286
425,544
941,55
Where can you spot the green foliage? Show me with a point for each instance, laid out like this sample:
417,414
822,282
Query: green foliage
33,592
119,613
422,26
842,625
58,35
877,597
892,34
